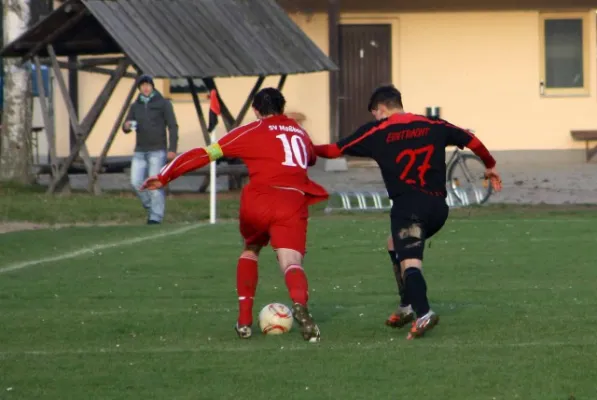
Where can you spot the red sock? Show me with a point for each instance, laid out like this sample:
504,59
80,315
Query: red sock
296,282
246,285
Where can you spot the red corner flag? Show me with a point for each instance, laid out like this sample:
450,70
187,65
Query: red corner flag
214,110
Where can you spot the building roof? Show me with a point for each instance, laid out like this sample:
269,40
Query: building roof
182,38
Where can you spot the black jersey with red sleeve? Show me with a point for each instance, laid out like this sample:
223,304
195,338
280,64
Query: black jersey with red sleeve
410,151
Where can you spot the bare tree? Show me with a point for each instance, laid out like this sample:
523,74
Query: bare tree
15,139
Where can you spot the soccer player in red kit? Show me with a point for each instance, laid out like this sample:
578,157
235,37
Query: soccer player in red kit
410,151
274,204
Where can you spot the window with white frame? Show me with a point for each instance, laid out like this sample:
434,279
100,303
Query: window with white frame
564,54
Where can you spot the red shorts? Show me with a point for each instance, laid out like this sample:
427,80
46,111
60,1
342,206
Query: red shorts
279,215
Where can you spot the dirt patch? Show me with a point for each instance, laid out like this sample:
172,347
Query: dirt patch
7,227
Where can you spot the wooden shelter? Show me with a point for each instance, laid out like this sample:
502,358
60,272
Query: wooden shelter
190,39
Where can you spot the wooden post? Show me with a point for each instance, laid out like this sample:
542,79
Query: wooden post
57,32
96,62
334,50
243,111
49,127
95,70
98,106
117,124
70,109
90,119
199,111
282,82
73,92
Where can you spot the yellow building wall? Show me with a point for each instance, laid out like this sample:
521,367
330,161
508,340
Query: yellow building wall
481,68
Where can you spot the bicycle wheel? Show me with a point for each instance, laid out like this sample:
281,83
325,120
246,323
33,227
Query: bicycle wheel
466,180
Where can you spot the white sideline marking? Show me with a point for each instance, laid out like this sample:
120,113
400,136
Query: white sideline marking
92,249
398,341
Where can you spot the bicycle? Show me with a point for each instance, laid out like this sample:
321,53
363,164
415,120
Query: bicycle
473,182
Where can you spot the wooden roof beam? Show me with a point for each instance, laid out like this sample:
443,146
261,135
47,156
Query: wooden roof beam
51,37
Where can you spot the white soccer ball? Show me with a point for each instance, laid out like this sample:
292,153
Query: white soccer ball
275,319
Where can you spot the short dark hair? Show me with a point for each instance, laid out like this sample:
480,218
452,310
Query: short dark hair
269,101
387,95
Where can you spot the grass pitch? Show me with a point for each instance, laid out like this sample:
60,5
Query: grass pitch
138,312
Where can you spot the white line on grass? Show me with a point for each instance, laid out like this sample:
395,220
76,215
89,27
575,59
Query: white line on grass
398,341
515,220
98,247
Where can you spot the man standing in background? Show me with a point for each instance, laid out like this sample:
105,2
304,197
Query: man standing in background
149,116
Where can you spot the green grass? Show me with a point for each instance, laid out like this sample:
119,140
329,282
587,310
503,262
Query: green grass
515,288
31,204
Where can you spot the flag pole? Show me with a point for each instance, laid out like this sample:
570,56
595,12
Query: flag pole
214,111
212,183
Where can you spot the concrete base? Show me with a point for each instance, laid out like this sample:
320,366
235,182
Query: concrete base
551,158
336,164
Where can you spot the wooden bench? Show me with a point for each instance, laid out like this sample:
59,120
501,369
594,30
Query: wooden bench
586,136
111,165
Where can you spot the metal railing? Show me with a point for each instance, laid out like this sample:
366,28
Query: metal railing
362,201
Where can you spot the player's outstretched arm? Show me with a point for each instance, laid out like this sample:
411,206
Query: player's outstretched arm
184,163
234,142
328,150
460,137
356,144
481,151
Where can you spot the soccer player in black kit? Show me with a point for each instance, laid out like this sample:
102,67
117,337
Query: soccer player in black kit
410,151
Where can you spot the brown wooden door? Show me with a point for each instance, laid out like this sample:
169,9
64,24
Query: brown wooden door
365,63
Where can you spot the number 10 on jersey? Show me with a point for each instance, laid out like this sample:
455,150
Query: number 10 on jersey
295,151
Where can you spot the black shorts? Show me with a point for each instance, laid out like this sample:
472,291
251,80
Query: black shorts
414,219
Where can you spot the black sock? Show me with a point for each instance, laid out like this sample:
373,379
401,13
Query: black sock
404,300
392,255
416,290
399,281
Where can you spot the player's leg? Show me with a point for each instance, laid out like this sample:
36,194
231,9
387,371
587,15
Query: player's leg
404,313
255,237
289,237
409,240
291,265
409,226
246,285
435,214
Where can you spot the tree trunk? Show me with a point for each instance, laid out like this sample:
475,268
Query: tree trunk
15,139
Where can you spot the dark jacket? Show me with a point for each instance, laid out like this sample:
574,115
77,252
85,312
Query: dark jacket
152,119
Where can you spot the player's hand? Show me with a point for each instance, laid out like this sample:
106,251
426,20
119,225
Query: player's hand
494,179
127,125
152,183
171,155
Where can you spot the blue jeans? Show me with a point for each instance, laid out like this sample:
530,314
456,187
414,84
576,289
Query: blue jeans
143,165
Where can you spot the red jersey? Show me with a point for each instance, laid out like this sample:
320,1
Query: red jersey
276,150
